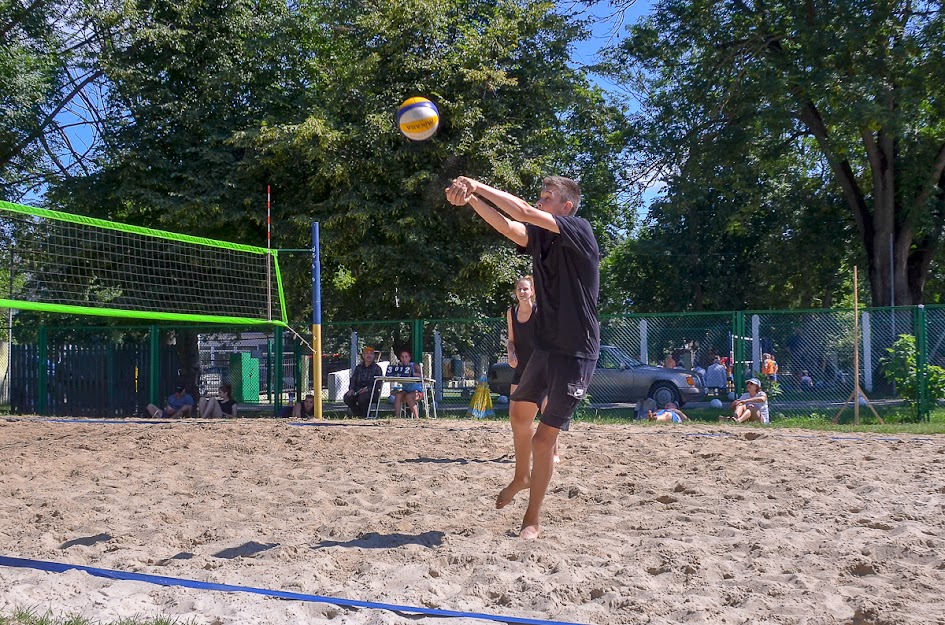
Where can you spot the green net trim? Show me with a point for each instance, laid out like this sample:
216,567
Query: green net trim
82,265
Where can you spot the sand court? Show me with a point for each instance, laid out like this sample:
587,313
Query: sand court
643,524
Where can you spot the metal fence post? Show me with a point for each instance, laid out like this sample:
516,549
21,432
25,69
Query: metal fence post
299,387
355,350
644,343
279,364
437,364
418,340
42,361
738,366
921,363
110,382
866,335
154,365
269,377
756,358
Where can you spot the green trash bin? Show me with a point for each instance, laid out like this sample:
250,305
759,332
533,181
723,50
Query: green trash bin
244,376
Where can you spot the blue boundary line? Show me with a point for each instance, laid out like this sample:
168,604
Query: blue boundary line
111,421
58,567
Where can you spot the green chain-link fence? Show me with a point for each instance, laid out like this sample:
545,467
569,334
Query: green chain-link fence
117,371
813,350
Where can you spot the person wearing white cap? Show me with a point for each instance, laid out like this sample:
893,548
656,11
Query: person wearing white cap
752,405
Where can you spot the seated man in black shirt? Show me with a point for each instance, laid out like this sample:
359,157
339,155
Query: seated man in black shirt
359,395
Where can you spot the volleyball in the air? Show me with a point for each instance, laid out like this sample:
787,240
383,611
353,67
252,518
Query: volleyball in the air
418,118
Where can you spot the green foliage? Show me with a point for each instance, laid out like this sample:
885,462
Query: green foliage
900,367
30,75
211,104
48,87
785,132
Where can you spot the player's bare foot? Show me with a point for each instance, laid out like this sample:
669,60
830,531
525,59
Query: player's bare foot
507,494
530,532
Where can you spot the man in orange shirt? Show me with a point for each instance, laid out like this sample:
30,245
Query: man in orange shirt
769,367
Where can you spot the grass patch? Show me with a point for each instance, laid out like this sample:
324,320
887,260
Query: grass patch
32,616
899,419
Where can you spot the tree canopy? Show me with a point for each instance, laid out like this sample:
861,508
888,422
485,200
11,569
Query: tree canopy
791,141
49,86
210,104
859,82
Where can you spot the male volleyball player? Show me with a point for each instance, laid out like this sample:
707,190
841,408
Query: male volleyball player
565,259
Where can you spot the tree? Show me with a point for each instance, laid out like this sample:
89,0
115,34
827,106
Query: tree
861,80
49,89
512,111
731,232
184,77
209,104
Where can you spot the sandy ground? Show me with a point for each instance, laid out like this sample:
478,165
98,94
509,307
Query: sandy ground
643,524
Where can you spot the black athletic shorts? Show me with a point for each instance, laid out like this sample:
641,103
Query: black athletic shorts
518,371
563,380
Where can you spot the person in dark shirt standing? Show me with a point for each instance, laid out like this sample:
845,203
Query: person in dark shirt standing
565,261
358,397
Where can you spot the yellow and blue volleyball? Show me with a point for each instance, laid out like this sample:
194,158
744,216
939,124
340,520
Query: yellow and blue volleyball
418,118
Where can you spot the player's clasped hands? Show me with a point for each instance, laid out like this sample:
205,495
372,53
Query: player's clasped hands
460,190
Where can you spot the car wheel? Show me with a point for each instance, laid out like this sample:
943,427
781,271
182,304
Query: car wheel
663,393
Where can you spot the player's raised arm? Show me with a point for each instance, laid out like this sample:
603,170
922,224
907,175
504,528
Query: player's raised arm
459,194
514,206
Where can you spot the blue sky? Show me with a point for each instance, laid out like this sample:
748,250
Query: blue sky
608,32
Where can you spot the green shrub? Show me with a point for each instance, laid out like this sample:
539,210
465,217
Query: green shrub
900,368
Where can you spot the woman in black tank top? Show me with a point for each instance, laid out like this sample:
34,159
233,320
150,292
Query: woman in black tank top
521,343
221,407
521,324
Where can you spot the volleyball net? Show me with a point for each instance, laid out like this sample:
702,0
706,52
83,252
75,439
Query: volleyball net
79,265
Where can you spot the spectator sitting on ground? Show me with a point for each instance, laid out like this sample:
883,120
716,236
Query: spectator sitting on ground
752,405
669,414
669,362
220,407
359,395
180,404
304,409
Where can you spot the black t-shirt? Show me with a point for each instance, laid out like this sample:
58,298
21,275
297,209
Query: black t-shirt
566,268
226,407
